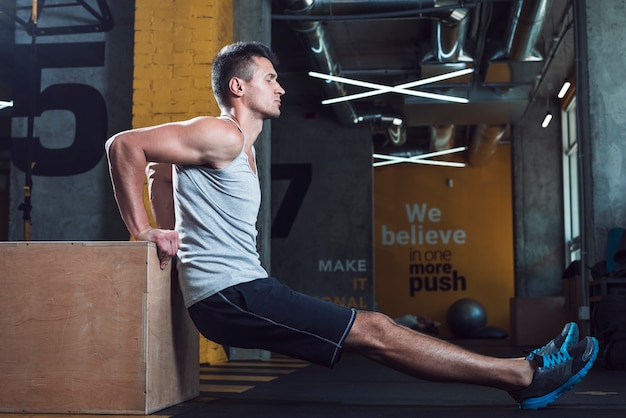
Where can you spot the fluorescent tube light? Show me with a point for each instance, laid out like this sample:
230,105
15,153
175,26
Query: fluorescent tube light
420,159
546,120
564,89
400,88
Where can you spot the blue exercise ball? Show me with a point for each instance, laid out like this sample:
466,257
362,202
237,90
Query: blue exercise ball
465,316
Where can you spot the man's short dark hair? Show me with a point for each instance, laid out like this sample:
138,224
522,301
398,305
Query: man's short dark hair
235,60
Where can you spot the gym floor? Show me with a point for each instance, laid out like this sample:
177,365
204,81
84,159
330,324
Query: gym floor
284,387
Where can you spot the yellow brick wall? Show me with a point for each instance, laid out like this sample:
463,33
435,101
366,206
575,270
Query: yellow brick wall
175,42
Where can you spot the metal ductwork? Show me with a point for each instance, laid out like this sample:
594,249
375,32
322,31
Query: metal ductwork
322,57
524,29
441,137
508,67
484,144
523,32
312,33
449,34
518,60
359,7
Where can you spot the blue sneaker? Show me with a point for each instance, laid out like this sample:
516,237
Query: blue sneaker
567,338
558,372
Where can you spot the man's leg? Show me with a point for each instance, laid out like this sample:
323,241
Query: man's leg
534,382
379,338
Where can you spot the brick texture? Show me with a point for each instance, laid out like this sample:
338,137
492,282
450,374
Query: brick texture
175,42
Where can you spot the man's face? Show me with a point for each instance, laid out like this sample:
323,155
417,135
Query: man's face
263,92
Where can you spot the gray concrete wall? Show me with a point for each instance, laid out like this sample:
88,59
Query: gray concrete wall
83,88
317,201
605,37
252,22
322,238
537,203
601,106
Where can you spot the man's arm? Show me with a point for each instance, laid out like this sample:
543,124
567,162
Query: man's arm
201,141
161,194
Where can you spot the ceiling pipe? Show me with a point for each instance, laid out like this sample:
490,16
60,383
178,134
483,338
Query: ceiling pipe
441,137
449,34
355,9
450,31
523,33
313,34
524,30
320,51
391,127
484,144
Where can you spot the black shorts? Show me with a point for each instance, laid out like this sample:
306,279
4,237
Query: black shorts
266,314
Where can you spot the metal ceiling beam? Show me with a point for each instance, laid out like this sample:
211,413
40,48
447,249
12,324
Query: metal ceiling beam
100,13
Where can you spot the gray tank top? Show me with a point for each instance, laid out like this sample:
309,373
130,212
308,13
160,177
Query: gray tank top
216,214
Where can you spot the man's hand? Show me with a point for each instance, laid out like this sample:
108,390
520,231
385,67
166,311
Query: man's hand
166,240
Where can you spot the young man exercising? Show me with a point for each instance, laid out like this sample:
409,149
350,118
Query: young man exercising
205,169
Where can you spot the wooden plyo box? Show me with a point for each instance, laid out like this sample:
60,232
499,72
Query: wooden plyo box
92,327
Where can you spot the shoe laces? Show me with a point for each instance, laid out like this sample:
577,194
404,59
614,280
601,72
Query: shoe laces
555,359
540,349
530,355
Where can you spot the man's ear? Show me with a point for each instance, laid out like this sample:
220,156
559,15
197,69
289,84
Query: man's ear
236,86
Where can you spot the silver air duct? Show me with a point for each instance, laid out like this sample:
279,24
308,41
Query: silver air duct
313,34
524,30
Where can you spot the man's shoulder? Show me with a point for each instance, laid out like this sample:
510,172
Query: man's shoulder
218,139
220,129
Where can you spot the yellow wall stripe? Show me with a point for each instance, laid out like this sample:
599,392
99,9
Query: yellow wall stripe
175,42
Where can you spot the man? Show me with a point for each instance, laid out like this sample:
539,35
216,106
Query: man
231,300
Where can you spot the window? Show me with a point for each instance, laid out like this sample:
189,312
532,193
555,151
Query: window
571,183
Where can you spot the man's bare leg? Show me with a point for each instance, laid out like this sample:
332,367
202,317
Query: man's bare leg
379,338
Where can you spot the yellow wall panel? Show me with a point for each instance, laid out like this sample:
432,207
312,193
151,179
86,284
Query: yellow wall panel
442,234
175,42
